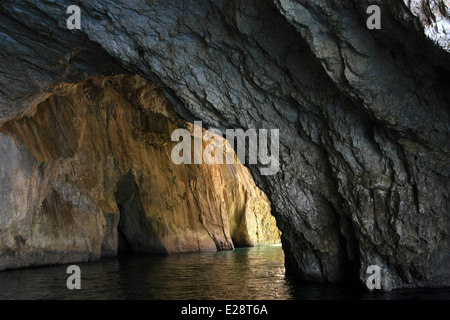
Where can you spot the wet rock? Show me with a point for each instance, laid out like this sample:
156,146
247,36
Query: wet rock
363,114
89,175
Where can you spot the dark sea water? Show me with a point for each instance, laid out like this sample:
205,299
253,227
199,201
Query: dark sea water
245,273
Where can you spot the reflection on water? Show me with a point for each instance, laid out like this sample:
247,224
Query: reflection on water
245,273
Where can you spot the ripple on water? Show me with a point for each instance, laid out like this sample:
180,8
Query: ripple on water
244,273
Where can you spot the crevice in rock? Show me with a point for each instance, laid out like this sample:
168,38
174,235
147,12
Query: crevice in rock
239,64
123,246
136,233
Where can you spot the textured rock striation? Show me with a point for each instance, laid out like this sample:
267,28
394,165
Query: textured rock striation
363,114
89,175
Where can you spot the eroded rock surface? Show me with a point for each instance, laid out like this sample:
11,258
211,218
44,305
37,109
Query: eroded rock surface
363,114
90,173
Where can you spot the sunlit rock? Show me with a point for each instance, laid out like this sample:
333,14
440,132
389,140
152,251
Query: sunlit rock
363,115
89,175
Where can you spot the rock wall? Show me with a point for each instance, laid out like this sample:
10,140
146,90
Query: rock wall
89,175
363,114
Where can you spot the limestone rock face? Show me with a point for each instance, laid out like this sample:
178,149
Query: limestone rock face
90,173
250,218
363,114
434,18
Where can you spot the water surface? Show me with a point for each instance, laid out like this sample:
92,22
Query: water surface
245,273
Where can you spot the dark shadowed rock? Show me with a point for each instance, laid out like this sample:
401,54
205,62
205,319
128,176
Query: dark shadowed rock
363,114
